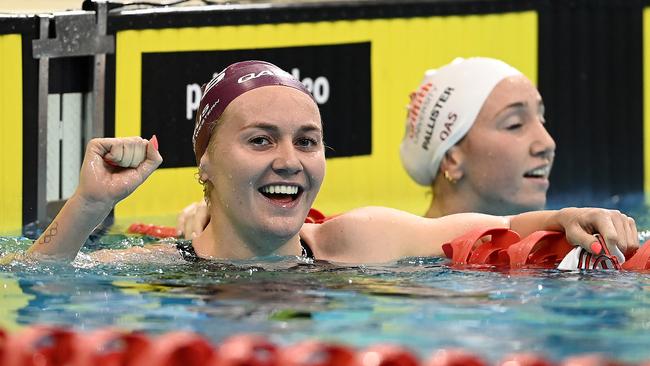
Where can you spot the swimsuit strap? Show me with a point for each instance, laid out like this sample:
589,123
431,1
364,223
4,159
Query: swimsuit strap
306,250
188,253
186,250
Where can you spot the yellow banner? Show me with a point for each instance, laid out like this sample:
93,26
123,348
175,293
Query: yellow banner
401,50
11,134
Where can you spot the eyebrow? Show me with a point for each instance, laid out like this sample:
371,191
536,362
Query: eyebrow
274,128
515,105
511,106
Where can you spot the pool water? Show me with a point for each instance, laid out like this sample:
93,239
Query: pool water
417,302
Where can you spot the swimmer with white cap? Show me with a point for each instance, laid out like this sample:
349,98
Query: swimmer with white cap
259,147
475,134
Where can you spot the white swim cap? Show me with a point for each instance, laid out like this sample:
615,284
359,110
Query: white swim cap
444,108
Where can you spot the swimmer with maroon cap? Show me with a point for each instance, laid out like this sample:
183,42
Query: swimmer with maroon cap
259,145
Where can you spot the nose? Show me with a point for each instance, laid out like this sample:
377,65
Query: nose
286,162
543,145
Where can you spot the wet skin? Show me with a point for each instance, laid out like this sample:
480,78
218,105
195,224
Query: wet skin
507,155
266,163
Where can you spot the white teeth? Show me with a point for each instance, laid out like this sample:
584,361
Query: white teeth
540,171
280,189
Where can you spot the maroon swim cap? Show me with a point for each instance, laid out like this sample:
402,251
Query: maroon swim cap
232,82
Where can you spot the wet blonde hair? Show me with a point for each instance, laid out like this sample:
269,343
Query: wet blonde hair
207,185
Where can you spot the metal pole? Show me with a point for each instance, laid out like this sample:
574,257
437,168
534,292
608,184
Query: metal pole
77,34
43,91
99,73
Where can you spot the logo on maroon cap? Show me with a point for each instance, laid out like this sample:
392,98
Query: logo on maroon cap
215,81
223,89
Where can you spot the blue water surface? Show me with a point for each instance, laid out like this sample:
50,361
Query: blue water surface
418,302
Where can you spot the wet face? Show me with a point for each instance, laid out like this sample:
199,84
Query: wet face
508,153
267,162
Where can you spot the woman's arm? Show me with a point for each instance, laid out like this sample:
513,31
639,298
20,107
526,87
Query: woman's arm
68,231
193,219
112,169
580,224
378,234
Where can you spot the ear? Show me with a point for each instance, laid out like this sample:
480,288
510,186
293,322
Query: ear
205,173
453,163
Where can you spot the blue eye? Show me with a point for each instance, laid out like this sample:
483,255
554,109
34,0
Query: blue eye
306,142
260,141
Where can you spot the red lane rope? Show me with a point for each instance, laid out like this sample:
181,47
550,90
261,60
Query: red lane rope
640,260
502,248
156,231
247,349
49,345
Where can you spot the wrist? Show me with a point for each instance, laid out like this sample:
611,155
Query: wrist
561,217
566,212
89,205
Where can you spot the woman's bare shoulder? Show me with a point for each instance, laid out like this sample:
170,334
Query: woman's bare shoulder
380,234
364,235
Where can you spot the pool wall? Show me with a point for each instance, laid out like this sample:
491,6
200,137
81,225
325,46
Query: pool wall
362,59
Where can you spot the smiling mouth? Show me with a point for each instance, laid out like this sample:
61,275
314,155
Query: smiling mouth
281,193
542,172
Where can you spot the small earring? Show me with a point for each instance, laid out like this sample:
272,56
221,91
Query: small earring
197,176
449,178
